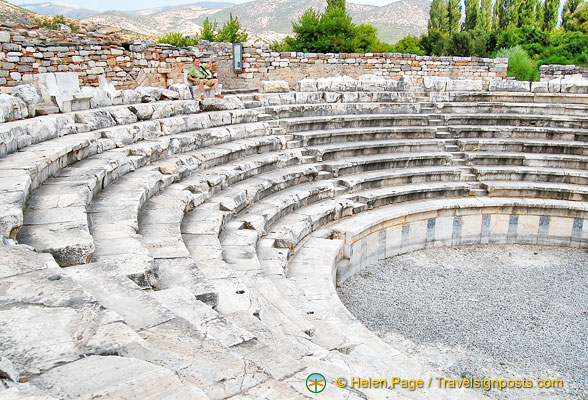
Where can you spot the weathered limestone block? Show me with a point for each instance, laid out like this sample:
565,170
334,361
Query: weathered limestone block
149,94
7,370
115,378
554,85
509,85
372,83
464,85
28,94
12,108
167,94
123,115
435,83
306,85
63,322
131,97
337,83
24,392
96,119
63,89
226,103
17,260
275,87
540,87
574,84
114,94
182,90
99,98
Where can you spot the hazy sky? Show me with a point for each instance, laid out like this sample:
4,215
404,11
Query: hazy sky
139,4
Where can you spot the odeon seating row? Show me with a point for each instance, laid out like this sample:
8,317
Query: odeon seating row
234,226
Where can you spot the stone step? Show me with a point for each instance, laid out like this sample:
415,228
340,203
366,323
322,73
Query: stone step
545,190
346,150
295,125
527,160
533,174
120,377
346,135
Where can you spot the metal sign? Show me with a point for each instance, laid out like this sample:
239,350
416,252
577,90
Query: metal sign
238,57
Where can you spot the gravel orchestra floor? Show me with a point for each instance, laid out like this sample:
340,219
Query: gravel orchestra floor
504,311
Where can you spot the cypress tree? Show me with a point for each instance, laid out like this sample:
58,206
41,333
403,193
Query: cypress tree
472,15
439,16
569,8
485,20
526,13
550,15
454,13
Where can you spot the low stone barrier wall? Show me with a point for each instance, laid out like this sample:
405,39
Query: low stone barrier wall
456,225
259,64
549,72
25,52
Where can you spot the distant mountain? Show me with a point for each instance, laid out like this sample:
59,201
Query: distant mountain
394,21
268,19
11,14
211,5
66,10
157,23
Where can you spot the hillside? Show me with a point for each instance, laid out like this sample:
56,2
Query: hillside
268,19
11,14
394,21
66,10
155,23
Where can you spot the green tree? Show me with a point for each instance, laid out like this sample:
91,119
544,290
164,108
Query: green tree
472,15
496,14
579,19
467,43
336,4
332,32
232,31
454,14
435,43
485,23
569,9
409,45
439,16
526,11
209,30
550,15
540,13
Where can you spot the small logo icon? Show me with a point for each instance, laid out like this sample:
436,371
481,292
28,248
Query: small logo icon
316,383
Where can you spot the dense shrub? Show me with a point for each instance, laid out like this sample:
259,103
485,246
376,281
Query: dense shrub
230,32
53,23
520,65
331,32
178,39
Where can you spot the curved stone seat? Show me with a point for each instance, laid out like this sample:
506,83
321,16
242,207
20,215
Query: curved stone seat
82,181
294,125
523,146
260,219
338,151
526,159
516,132
518,97
18,135
38,162
386,161
553,121
546,190
331,136
533,174
117,207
